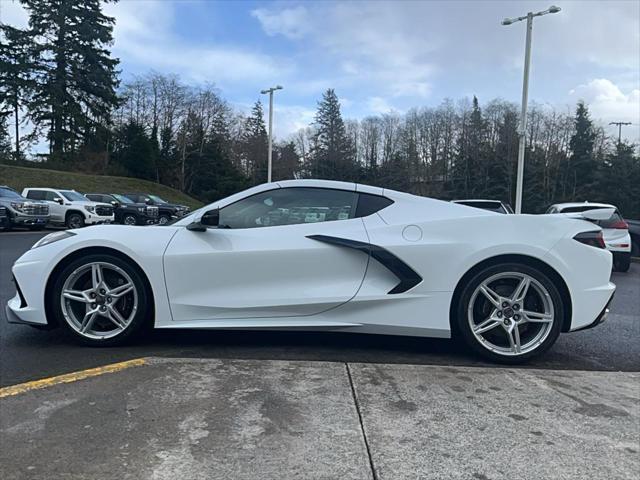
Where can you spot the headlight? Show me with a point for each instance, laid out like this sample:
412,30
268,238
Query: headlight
90,208
17,206
53,237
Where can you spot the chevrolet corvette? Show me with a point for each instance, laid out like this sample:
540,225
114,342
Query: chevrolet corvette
326,256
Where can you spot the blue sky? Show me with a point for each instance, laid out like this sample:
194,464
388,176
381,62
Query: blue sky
385,56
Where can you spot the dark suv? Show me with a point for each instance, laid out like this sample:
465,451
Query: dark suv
125,210
167,211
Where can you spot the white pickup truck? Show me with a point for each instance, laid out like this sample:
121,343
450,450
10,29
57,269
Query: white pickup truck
70,208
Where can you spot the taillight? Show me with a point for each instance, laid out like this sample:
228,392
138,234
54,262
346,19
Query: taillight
593,239
619,224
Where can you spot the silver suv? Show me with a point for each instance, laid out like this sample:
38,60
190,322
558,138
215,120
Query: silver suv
23,212
71,208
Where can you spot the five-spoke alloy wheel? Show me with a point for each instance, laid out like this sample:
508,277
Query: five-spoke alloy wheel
101,298
510,312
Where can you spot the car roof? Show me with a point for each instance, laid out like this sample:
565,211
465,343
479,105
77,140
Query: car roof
562,206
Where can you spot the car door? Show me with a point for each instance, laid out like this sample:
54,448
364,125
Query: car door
260,262
56,210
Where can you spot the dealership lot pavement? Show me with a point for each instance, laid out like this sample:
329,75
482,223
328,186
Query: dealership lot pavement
250,419
27,354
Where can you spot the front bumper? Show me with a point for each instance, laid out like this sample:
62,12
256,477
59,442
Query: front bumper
92,219
30,220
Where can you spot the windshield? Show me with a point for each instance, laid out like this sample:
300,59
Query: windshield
8,193
122,198
157,199
73,196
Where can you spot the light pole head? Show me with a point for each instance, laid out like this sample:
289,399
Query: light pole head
278,87
507,21
554,9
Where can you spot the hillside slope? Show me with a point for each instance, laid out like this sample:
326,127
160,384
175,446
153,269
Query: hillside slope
21,177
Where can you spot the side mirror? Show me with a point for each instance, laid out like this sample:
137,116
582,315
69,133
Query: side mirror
58,200
115,204
148,201
210,218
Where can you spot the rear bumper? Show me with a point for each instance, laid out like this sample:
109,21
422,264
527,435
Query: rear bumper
601,318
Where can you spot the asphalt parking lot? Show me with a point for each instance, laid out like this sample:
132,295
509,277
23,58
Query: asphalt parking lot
27,354
272,405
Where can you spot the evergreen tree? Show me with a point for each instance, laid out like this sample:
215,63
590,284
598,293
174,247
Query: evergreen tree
286,162
76,76
501,165
255,143
133,151
582,163
5,139
332,153
16,71
619,180
469,170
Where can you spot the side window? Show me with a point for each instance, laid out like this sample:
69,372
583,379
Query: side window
369,204
36,194
289,206
49,196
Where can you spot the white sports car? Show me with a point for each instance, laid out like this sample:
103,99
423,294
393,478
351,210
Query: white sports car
324,255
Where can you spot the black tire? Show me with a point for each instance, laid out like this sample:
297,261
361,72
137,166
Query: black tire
129,219
463,329
74,220
621,262
164,219
635,247
137,323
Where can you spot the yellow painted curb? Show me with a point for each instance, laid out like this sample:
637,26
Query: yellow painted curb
70,377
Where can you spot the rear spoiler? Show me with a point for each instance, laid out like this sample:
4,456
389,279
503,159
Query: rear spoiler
594,214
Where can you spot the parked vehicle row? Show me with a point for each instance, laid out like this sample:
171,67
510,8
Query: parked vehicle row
37,207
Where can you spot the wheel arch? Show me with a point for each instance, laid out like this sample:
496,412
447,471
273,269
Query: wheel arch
93,251
547,269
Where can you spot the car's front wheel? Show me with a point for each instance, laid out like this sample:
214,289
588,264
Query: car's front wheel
510,313
74,220
100,299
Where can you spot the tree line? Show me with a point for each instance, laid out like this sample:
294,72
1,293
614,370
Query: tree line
58,76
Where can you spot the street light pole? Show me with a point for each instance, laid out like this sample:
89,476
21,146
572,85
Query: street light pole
269,161
525,97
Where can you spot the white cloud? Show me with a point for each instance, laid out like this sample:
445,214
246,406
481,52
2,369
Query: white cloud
379,105
608,103
288,119
293,23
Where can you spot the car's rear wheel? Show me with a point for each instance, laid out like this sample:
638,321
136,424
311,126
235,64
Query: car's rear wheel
622,261
164,219
510,313
100,299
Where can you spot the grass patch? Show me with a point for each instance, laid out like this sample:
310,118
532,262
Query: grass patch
22,177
